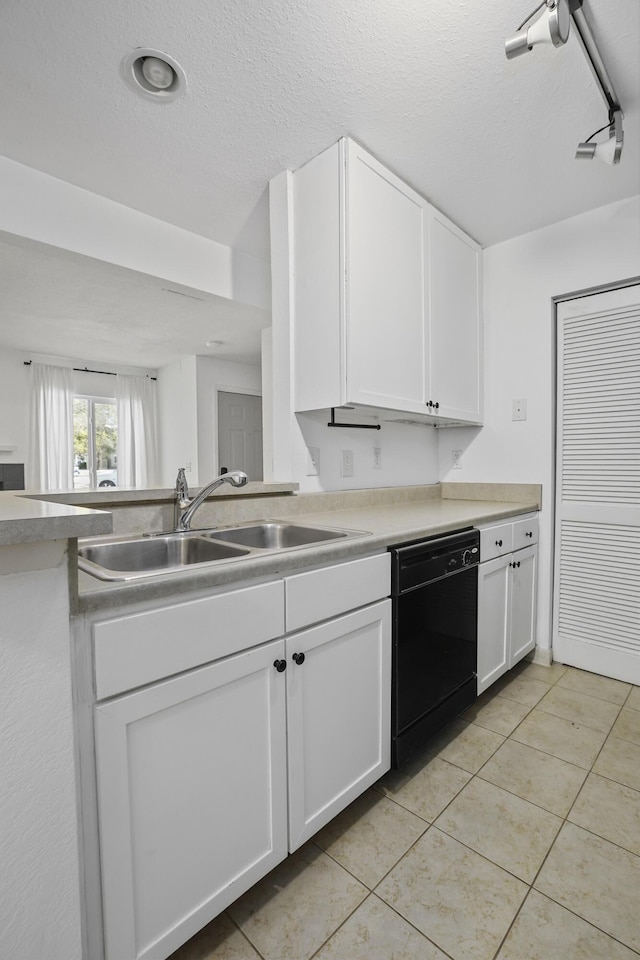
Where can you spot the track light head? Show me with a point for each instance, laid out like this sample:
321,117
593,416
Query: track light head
609,151
552,26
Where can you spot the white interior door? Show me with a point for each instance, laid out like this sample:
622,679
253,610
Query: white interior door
240,433
597,561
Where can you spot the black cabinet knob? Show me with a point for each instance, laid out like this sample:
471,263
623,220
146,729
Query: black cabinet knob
430,403
436,405
518,564
298,658
529,533
498,543
280,665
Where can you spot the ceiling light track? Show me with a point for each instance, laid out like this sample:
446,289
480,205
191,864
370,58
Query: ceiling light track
553,26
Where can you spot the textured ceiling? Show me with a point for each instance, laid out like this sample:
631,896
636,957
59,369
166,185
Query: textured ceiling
62,304
423,84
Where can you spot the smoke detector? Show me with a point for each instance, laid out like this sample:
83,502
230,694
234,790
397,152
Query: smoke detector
154,75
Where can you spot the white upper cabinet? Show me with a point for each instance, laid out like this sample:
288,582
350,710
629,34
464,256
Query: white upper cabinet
455,349
386,276
367,329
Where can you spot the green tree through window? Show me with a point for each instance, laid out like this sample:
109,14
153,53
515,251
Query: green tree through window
95,437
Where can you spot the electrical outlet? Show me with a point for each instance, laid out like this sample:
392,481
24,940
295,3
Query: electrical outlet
456,459
519,409
346,469
313,461
377,458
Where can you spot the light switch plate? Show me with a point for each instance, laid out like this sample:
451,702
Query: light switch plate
346,464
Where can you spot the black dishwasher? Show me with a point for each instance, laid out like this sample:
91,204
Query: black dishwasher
435,605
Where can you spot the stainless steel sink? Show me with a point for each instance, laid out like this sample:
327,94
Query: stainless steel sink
276,535
128,558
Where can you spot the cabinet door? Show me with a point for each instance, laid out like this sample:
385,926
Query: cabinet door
338,715
386,240
493,620
455,348
522,632
192,799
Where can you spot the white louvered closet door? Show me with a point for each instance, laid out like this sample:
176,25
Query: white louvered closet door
597,561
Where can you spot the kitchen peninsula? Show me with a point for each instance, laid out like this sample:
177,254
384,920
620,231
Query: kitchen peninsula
47,608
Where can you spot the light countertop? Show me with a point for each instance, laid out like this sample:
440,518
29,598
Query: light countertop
23,520
382,525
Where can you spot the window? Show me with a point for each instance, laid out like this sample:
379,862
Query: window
95,435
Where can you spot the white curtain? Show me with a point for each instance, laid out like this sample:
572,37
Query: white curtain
50,465
137,432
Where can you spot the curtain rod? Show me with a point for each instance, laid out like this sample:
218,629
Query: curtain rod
106,373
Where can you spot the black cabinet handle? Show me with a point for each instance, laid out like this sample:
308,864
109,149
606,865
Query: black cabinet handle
436,405
529,533
498,543
298,658
518,564
280,665
429,403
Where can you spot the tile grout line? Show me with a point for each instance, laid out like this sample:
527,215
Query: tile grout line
238,927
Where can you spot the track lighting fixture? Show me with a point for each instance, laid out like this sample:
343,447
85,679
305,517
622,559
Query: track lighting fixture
609,151
553,26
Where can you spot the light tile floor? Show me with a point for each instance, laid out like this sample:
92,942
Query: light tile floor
516,836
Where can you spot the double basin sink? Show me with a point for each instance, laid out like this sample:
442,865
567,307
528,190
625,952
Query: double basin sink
128,558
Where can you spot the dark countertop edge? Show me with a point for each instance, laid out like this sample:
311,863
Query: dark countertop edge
111,596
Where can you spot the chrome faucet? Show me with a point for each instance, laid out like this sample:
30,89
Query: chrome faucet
188,507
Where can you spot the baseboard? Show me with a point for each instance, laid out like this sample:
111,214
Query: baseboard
541,655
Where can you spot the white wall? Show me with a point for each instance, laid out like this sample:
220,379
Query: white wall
408,453
520,278
188,413
39,873
178,420
213,375
41,207
14,407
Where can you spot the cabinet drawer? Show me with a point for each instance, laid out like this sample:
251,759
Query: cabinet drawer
137,649
525,532
320,594
496,541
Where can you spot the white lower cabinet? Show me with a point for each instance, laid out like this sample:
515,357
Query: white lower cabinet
207,779
192,799
338,715
506,613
